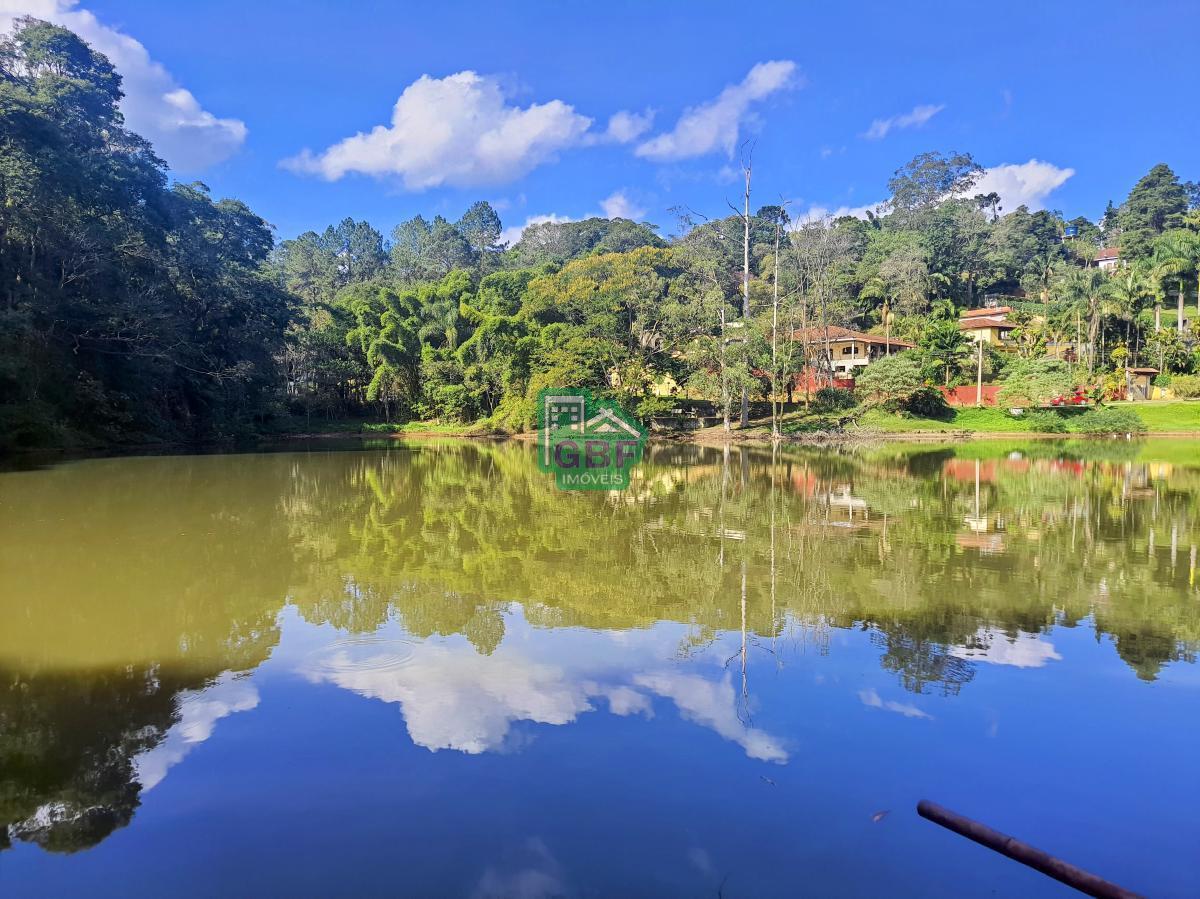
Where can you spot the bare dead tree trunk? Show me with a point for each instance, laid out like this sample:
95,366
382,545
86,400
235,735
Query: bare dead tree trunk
745,681
775,342
746,168
805,367
725,398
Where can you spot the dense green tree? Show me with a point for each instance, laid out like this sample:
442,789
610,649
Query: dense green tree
890,381
1082,295
1157,202
1035,382
560,242
895,268
386,333
480,227
931,178
358,249
495,359
307,267
1024,241
129,309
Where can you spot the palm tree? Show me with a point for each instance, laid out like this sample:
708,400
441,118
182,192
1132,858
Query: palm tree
943,309
1081,290
1181,257
945,344
1030,335
1041,274
439,321
1124,294
1172,258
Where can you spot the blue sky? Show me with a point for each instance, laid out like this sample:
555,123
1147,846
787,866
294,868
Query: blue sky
1068,104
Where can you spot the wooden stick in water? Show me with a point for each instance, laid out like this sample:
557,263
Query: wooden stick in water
1035,858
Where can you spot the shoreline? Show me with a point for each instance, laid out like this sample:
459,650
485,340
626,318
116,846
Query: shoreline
818,439
705,437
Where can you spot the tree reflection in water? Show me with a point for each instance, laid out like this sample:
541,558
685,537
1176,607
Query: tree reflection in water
134,590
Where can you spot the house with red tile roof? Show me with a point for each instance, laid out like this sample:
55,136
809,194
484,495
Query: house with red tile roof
1108,259
848,350
990,326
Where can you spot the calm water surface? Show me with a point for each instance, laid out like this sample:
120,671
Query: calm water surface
419,669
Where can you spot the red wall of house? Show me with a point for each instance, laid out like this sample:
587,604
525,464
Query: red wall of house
965,396
815,382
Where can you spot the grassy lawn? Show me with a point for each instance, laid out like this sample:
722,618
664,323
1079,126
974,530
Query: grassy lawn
800,422
420,427
986,419
1167,415
1159,417
300,426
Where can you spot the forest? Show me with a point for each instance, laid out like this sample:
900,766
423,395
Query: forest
137,308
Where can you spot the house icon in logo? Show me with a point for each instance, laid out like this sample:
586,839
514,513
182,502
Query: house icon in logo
588,444
606,422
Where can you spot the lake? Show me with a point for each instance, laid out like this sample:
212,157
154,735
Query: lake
419,669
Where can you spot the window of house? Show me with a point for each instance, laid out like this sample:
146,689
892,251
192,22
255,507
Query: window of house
848,351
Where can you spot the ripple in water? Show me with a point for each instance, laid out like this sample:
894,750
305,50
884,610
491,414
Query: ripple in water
363,653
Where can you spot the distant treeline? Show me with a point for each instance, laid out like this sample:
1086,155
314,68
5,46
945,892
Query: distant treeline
135,309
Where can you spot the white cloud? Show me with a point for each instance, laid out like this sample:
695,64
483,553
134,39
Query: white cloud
915,119
1023,651
1024,184
458,131
624,702
512,233
713,704
626,127
536,874
870,698
619,206
827,213
185,134
199,712
454,698
616,205
715,125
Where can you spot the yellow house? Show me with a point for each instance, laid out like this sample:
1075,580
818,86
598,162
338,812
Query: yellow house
990,326
848,350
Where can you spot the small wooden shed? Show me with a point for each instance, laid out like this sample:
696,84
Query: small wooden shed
1138,382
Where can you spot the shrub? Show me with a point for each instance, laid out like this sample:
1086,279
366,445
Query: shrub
1109,420
34,425
1186,387
651,406
1032,382
889,381
451,402
927,402
1045,421
831,399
